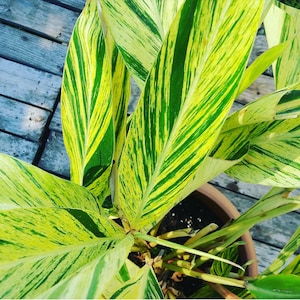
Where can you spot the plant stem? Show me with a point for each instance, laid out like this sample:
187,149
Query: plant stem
204,276
181,248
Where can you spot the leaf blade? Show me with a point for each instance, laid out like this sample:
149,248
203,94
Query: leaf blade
171,119
86,103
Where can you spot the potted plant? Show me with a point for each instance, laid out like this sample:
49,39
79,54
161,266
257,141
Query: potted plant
59,238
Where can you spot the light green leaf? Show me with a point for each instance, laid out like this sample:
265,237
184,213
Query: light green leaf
91,280
282,23
42,246
276,287
187,96
86,104
143,285
260,64
24,186
273,158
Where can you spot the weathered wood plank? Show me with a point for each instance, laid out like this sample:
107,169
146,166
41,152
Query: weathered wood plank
22,119
75,4
39,16
55,123
265,255
28,84
247,189
54,158
31,50
17,147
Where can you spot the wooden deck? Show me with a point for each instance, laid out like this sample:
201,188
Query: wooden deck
33,42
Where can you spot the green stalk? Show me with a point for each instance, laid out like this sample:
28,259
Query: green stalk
204,276
181,248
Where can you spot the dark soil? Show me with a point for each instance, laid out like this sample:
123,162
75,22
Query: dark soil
194,213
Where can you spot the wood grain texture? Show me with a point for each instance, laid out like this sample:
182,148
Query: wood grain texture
31,50
21,119
77,5
55,123
18,147
40,16
28,84
265,255
54,158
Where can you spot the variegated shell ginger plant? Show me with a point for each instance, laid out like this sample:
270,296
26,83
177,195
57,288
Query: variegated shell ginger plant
58,238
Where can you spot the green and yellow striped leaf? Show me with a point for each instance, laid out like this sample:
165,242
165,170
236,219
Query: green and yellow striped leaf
42,246
24,186
139,27
282,23
282,104
93,279
50,229
210,168
120,98
234,141
86,104
167,12
126,272
187,96
273,158
143,285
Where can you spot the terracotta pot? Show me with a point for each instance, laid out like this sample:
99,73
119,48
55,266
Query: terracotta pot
225,210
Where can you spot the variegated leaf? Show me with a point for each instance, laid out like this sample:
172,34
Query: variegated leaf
234,141
120,98
167,12
24,186
282,23
86,104
137,30
185,101
280,104
126,272
210,168
93,279
50,245
143,285
274,155
139,27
